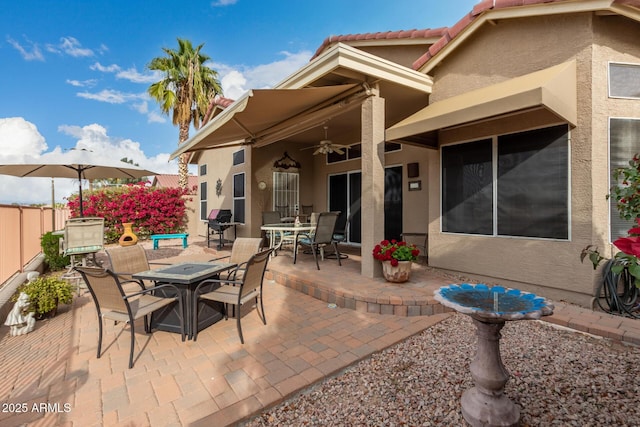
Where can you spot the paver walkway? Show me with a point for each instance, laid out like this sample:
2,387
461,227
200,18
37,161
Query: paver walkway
51,377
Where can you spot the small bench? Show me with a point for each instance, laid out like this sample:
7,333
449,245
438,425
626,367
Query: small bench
157,237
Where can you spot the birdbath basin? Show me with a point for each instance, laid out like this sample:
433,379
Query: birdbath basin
490,307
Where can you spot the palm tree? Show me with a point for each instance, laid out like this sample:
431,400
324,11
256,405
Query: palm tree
188,87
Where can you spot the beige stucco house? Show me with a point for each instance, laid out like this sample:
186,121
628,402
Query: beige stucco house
496,136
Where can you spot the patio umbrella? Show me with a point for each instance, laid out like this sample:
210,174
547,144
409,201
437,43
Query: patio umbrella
75,164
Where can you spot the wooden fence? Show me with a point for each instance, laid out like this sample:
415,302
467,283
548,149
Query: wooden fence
20,230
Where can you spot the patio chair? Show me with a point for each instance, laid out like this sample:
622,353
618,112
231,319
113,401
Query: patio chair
307,210
112,302
284,210
128,260
321,238
242,250
237,292
82,237
340,236
270,217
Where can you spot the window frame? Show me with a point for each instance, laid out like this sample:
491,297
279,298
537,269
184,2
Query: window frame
203,201
239,197
238,159
494,168
613,211
612,64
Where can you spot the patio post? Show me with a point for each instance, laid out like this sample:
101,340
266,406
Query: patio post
372,113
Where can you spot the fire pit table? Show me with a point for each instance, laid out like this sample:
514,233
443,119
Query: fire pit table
490,307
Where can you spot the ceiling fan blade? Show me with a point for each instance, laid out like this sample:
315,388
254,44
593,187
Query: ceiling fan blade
318,150
338,150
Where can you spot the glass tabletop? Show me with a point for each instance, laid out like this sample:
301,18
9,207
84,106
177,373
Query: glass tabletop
184,273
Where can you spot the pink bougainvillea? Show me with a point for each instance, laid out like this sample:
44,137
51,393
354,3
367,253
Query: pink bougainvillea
151,210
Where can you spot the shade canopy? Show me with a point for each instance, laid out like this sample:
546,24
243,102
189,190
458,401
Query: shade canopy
75,164
265,115
553,89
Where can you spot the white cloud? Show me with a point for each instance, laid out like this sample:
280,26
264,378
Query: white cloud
83,83
19,137
113,68
28,55
220,3
70,46
134,76
236,80
234,84
142,107
20,142
156,117
113,96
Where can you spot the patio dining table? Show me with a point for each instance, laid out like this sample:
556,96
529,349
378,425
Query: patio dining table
186,276
285,231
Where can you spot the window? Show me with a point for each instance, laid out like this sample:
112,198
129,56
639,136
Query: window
203,170
624,80
238,157
286,188
238,197
624,143
354,152
203,201
512,185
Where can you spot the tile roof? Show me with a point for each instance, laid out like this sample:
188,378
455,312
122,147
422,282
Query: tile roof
484,6
218,101
171,180
386,35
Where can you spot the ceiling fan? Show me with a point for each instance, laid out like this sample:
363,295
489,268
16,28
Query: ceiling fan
325,146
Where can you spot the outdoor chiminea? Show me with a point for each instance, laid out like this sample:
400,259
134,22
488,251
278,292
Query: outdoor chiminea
490,307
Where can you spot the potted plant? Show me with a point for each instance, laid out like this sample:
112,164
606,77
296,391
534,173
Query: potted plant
45,293
396,258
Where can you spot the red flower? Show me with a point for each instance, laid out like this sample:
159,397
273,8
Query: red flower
629,245
394,262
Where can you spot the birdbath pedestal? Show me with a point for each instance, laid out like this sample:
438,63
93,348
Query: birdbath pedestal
490,307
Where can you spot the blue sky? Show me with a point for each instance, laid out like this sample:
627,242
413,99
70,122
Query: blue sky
75,72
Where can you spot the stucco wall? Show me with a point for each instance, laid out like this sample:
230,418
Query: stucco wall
509,49
220,166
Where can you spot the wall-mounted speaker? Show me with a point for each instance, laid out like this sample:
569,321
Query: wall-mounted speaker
413,170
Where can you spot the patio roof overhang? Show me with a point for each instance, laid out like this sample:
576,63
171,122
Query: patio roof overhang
333,84
552,89
261,114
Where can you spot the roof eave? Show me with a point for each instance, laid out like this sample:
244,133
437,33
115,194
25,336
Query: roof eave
539,9
353,59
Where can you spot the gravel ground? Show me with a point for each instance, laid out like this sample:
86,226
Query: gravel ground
558,378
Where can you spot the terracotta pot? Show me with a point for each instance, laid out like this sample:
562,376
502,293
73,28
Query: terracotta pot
128,238
398,274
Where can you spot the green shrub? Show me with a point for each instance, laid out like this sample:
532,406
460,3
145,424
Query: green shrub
50,248
45,293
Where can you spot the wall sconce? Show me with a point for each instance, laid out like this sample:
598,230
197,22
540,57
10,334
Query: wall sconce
218,187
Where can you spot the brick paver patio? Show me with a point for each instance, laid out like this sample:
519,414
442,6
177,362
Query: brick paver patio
318,323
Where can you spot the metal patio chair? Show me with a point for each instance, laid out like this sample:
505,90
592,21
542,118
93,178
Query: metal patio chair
237,292
113,303
321,238
242,250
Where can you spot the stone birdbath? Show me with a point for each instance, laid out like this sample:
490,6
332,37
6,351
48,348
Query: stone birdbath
490,307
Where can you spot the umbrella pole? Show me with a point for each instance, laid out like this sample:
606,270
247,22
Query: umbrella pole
53,205
80,192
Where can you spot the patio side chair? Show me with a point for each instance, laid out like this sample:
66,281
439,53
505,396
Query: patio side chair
112,303
270,217
237,292
321,238
126,261
242,250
